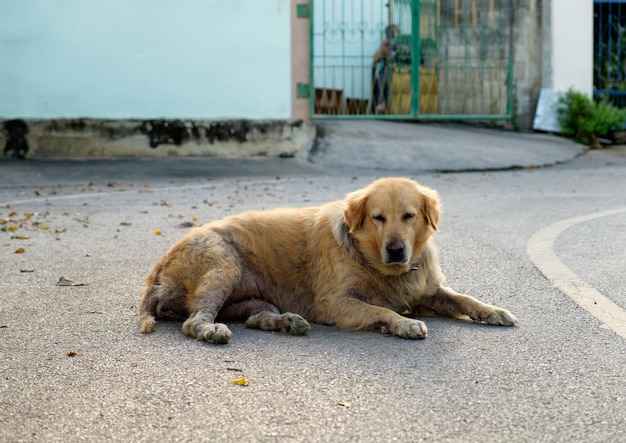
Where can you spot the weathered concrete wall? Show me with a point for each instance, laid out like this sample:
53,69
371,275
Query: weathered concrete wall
528,62
82,138
553,49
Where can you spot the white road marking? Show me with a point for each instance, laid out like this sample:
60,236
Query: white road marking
540,249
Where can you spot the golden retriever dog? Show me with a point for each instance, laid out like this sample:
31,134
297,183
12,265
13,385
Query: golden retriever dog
366,262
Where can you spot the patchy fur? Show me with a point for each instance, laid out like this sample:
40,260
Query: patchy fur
366,262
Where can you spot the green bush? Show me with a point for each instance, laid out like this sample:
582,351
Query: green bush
586,120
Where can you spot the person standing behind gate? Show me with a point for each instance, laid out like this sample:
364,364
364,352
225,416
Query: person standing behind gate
381,74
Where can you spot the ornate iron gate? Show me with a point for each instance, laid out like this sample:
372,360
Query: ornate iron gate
414,59
609,57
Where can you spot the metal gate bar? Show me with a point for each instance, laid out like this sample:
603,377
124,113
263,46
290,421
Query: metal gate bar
448,59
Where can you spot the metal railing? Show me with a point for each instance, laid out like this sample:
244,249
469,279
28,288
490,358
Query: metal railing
609,58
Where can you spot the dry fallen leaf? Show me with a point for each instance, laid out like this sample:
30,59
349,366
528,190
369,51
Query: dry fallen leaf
66,281
157,232
241,381
20,250
27,270
21,237
344,404
71,354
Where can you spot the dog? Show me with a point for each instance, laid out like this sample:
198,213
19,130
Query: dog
367,262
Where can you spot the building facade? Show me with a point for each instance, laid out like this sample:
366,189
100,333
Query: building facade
192,73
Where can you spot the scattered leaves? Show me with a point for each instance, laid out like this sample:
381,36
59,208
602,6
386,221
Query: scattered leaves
66,281
85,220
20,250
71,354
241,381
21,237
125,224
26,270
344,404
157,232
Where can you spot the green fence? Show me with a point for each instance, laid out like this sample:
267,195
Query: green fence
413,59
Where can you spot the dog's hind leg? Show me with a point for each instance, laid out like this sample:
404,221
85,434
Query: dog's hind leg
216,285
260,314
271,321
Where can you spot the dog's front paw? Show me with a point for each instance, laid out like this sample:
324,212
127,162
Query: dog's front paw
216,333
410,328
496,316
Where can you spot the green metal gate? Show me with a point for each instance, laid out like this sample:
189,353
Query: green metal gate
412,59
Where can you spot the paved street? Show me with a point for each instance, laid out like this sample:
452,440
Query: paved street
73,366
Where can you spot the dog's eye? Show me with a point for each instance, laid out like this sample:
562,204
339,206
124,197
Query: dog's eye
380,218
408,216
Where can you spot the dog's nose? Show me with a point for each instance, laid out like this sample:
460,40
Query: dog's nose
395,252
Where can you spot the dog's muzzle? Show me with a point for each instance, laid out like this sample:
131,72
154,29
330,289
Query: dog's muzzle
395,252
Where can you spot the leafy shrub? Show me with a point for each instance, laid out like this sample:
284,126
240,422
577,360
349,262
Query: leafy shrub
586,120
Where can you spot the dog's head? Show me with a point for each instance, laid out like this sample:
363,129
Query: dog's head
391,220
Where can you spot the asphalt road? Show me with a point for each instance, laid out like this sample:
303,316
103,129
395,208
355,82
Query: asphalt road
73,366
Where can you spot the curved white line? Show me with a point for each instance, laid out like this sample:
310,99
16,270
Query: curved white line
540,249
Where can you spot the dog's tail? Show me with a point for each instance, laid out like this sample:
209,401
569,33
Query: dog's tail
162,297
149,300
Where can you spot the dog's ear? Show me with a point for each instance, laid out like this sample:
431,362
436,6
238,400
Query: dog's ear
431,206
354,209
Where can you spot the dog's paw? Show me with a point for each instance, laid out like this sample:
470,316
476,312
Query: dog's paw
496,316
287,323
295,324
409,328
216,333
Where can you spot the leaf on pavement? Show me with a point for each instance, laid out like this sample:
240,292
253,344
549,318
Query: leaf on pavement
241,381
66,281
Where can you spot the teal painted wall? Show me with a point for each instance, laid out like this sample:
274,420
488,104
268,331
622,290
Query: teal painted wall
145,59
